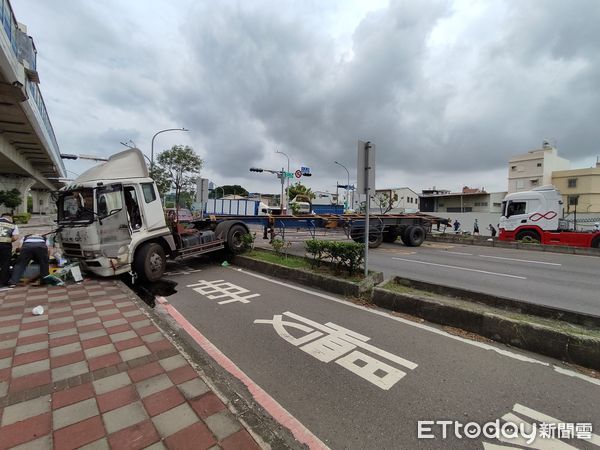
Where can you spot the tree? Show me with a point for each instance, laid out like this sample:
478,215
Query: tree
180,166
299,189
228,189
385,202
162,180
11,199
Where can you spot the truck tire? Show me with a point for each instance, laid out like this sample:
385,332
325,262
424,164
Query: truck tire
596,242
150,262
234,238
528,234
391,235
414,236
375,239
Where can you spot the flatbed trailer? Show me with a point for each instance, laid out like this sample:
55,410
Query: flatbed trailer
410,228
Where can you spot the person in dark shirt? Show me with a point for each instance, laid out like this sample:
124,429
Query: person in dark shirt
35,249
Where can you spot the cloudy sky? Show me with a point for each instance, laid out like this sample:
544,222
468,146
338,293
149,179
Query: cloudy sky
447,90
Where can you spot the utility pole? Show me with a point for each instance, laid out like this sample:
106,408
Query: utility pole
287,197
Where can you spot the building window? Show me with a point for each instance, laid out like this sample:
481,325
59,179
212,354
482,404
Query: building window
513,167
440,204
539,164
497,204
573,200
534,182
572,182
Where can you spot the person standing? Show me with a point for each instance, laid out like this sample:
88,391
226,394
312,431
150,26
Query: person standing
456,225
35,249
476,228
492,230
9,233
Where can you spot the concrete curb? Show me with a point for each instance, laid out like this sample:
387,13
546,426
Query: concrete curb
539,338
483,242
508,304
325,282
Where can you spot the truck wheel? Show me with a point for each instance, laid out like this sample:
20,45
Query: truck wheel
375,239
150,262
235,244
528,234
391,235
414,236
596,242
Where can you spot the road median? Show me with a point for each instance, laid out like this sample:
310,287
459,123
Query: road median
565,335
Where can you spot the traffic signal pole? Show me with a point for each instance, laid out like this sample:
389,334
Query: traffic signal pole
367,207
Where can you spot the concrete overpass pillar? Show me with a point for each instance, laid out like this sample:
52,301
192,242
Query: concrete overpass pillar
42,201
23,184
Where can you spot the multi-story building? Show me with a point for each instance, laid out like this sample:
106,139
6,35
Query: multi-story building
580,188
535,168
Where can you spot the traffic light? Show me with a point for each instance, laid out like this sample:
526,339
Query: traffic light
255,169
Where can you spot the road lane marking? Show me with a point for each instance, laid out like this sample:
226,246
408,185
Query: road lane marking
500,351
221,289
460,253
333,341
278,412
521,260
461,268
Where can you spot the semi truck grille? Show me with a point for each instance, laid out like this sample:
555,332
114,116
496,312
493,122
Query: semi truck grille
72,250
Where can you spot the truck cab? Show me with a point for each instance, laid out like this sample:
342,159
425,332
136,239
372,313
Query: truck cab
111,213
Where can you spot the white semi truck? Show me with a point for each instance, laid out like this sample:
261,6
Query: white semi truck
537,214
112,221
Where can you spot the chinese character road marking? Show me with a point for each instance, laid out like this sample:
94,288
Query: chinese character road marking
333,342
549,431
222,289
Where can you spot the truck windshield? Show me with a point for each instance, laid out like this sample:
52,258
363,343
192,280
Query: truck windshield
76,206
109,200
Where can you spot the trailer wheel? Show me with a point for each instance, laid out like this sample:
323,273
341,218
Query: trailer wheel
596,242
414,236
150,262
531,234
375,239
234,238
391,235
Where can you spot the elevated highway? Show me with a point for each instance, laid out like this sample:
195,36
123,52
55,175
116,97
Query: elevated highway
29,153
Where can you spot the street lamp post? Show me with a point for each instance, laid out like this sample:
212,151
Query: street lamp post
347,185
287,197
152,145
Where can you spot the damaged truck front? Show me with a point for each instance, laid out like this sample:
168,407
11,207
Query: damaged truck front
111,219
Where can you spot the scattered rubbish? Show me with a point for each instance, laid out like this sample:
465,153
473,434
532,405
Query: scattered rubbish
53,281
76,274
38,310
225,264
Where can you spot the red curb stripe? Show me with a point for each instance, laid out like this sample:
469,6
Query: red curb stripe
278,412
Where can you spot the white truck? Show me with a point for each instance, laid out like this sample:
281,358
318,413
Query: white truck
537,214
112,221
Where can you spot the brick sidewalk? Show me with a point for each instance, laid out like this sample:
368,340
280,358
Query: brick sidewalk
94,372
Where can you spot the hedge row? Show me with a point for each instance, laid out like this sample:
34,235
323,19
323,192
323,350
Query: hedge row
341,255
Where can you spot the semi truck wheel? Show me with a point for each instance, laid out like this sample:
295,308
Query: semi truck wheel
528,234
375,239
391,235
414,236
150,262
235,243
596,242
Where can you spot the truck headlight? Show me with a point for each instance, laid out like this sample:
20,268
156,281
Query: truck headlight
90,254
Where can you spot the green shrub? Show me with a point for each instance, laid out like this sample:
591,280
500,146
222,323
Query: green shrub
277,245
341,255
248,241
21,218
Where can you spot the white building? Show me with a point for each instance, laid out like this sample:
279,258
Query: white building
535,168
403,199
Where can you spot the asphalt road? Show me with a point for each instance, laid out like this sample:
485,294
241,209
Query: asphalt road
553,279
368,384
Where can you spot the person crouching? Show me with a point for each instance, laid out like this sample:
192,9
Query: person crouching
35,249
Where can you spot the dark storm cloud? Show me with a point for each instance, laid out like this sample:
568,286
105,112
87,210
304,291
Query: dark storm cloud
251,77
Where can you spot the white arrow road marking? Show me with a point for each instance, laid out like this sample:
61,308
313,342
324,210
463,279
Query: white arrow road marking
461,268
